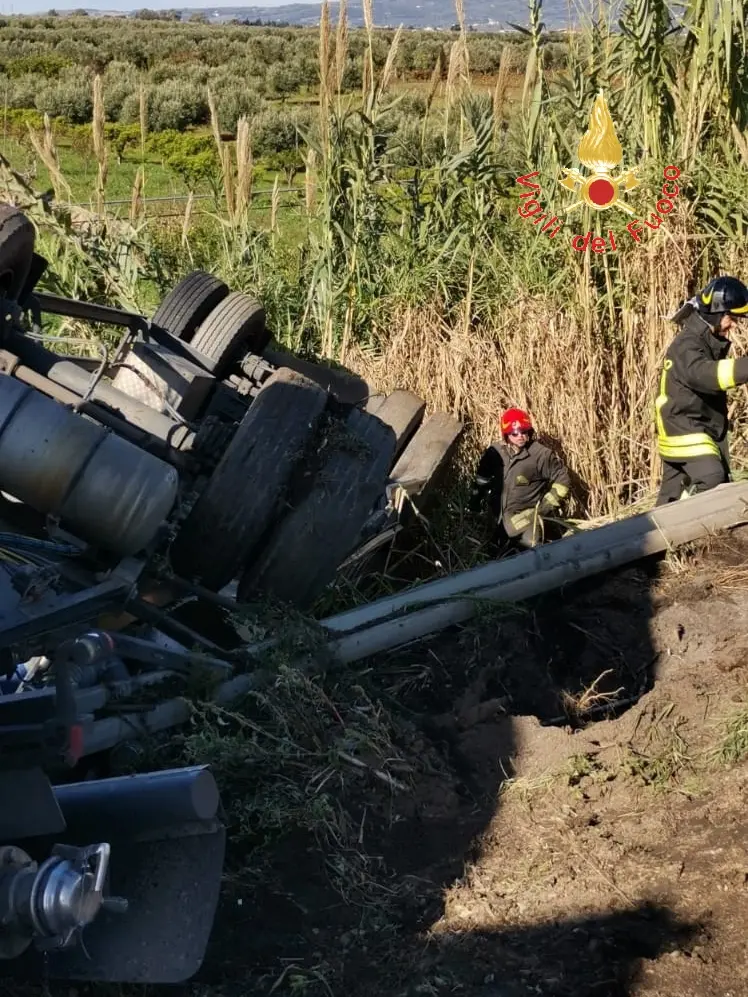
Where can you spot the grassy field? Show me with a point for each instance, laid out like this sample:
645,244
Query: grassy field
80,169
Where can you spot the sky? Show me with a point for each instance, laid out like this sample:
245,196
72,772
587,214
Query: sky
41,7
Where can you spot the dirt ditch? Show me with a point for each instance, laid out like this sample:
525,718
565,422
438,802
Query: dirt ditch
547,802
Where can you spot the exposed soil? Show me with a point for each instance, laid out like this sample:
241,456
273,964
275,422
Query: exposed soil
542,855
554,842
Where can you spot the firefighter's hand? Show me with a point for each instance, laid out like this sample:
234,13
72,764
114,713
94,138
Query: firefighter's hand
547,509
550,505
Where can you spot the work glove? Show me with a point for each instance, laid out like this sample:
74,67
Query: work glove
550,505
547,509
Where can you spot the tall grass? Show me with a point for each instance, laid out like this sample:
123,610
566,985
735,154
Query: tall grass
437,284
426,277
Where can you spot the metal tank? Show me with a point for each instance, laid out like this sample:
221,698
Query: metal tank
101,487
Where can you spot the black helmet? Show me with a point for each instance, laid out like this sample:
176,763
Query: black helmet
724,295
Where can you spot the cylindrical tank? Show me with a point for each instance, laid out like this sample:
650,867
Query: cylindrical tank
102,488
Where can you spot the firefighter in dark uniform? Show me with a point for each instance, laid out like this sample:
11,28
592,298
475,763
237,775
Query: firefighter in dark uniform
691,407
524,480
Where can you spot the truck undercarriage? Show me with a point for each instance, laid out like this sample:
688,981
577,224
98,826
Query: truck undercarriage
193,459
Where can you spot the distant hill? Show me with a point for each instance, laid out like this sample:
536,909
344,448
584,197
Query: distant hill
487,15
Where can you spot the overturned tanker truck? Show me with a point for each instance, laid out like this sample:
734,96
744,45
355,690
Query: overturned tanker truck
194,459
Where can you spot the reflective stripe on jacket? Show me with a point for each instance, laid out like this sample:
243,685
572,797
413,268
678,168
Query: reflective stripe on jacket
691,407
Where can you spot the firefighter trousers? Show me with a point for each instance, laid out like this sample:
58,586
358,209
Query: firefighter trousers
538,532
699,474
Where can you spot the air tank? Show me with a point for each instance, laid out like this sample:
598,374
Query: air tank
102,488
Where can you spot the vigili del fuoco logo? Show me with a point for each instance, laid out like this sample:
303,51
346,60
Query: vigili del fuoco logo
600,152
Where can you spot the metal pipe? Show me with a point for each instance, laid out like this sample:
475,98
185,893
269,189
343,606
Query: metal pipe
96,697
193,588
140,437
533,573
89,311
434,606
139,803
564,561
55,304
103,735
143,610
152,654
72,377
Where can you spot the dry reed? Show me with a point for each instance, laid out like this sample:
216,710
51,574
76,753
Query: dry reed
224,158
244,167
341,45
389,65
500,94
187,220
136,200
310,182
46,150
99,143
143,115
594,403
368,75
324,76
274,205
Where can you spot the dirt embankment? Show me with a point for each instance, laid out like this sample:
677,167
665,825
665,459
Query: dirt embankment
565,817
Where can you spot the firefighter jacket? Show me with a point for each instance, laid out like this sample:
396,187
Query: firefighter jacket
691,408
521,484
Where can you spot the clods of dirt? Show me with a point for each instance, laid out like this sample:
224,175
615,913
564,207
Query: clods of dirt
575,824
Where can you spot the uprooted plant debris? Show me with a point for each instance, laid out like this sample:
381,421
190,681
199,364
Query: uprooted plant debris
548,800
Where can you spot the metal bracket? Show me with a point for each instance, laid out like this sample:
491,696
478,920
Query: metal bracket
53,304
68,611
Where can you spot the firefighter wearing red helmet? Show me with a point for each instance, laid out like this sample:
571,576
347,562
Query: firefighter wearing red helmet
697,373
523,478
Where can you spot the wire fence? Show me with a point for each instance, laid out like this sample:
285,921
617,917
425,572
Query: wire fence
217,199
256,193
164,198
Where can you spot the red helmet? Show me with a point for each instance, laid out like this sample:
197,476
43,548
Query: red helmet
515,420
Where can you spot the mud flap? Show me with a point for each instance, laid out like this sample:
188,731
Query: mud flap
172,883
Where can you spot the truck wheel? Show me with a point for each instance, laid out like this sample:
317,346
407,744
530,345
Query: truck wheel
234,327
246,492
188,304
324,524
17,237
403,412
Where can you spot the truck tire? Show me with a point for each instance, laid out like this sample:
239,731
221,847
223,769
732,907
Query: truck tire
188,304
235,327
403,412
324,525
17,238
245,494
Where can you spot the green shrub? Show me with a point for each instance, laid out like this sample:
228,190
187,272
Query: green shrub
69,100
276,131
232,103
173,105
